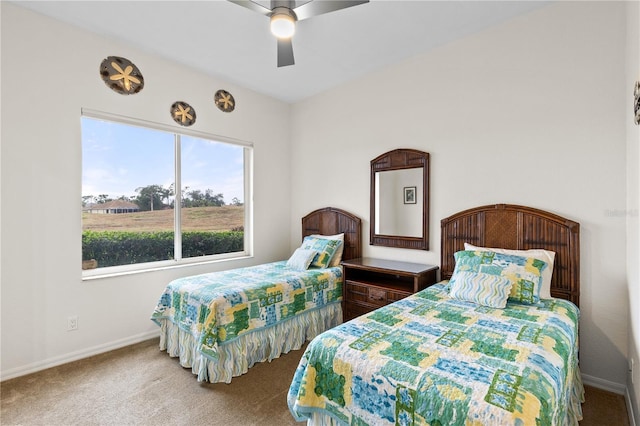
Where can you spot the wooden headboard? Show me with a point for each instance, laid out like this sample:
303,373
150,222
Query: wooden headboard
330,221
521,228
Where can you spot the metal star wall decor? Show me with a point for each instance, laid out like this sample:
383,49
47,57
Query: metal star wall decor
183,114
121,75
224,101
636,102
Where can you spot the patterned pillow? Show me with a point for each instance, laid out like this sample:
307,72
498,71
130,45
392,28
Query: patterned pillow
544,255
326,248
337,257
301,258
483,289
525,273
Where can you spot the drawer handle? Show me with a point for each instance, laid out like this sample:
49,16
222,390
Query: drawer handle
377,295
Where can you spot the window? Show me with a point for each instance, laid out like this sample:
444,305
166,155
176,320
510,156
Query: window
153,197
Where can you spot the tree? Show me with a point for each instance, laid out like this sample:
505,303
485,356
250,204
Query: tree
236,202
196,198
213,200
151,197
103,198
87,199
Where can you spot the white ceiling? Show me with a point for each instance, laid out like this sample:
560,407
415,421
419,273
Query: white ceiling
227,41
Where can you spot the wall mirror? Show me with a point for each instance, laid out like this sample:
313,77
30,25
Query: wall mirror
400,199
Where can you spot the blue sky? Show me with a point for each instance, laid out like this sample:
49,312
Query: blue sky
118,158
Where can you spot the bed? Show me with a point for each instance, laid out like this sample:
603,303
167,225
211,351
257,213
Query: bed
476,348
220,324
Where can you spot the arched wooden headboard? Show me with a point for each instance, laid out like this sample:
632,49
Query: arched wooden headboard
521,228
330,221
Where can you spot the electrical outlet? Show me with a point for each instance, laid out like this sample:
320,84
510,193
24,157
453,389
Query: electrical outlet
72,323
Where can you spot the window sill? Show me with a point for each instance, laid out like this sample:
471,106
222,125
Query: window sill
117,271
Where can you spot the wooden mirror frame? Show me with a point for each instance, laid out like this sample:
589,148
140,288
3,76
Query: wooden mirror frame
397,160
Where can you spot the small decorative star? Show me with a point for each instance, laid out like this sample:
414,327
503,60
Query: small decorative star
636,108
224,101
183,114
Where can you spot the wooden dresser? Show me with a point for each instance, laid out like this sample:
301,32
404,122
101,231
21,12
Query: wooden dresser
371,283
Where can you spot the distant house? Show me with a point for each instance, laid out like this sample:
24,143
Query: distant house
112,207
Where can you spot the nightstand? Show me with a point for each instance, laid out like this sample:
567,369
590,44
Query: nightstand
371,283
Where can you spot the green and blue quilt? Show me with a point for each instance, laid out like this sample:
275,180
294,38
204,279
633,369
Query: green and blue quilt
218,308
432,360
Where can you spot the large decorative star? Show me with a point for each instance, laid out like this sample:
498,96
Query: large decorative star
125,76
121,75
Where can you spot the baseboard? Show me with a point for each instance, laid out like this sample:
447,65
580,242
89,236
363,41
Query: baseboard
618,388
627,400
603,384
74,356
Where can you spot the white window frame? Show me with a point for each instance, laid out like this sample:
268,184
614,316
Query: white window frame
177,262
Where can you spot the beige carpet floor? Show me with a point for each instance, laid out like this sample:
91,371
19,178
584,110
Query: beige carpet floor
140,385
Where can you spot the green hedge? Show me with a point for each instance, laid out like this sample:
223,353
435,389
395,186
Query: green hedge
111,248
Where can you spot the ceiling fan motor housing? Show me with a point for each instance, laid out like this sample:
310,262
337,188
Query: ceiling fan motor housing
283,22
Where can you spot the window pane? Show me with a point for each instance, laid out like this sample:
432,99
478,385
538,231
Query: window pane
212,197
127,194
131,212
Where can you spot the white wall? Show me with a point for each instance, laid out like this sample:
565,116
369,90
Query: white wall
50,72
633,202
530,112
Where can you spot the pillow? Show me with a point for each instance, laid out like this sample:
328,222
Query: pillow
525,273
541,254
301,258
337,256
326,249
483,289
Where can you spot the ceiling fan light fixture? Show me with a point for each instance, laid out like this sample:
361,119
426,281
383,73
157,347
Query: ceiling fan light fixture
283,23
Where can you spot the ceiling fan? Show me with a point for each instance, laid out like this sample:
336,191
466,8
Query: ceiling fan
284,14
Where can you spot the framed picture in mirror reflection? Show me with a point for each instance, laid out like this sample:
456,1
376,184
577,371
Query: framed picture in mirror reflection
410,195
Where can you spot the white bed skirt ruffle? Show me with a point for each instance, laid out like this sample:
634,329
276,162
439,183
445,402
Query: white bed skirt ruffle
574,414
236,357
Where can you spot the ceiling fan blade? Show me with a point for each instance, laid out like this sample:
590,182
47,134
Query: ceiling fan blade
285,53
289,4
252,6
318,7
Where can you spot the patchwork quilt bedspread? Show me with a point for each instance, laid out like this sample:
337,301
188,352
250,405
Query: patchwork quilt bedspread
432,360
218,307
